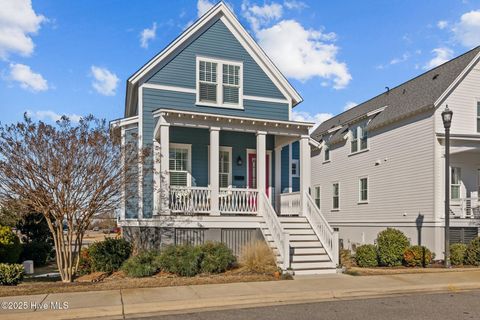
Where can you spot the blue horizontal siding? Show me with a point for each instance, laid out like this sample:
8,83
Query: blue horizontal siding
154,99
216,42
131,189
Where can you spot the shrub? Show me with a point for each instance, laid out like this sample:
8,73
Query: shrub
346,259
366,256
417,256
10,247
144,264
108,255
36,251
472,255
391,244
183,260
258,257
457,253
85,263
216,258
11,274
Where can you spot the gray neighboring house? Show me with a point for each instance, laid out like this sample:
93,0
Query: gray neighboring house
381,163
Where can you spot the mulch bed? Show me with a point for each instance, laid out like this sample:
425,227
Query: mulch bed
100,281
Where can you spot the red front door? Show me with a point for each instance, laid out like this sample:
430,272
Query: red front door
252,172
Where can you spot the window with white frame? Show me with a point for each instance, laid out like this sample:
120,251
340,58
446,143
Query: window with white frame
219,82
478,116
225,167
363,190
336,196
326,153
294,169
478,183
455,184
179,165
359,138
317,196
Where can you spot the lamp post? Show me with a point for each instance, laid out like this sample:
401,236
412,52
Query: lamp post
447,122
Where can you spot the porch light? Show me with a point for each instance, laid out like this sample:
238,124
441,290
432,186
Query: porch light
447,115
239,161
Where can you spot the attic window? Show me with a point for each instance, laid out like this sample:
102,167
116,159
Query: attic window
219,83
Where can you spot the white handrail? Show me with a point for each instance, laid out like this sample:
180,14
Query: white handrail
465,208
238,201
322,228
290,203
279,235
190,200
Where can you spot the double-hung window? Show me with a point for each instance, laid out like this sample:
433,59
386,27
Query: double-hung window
363,190
219,83
326,155
455,183
317,196
295,171
359,138
180,165
478,116
336,196
225,167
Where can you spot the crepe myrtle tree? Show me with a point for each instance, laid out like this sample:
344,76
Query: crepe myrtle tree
69,173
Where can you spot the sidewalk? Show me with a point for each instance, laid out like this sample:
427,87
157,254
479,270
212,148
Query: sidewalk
127,303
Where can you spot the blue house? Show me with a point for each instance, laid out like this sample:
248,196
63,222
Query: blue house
228,164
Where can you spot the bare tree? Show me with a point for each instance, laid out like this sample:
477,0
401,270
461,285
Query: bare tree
67,172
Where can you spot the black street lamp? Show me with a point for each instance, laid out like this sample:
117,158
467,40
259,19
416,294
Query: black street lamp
447,122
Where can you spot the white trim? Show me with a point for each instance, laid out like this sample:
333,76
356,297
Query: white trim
334,129
297,173
168,88
124,121
219,82
230,151
189,160
319,186
376,111
140,148
477,111
290,158
266,99
454,84
360,201
333,195
269,153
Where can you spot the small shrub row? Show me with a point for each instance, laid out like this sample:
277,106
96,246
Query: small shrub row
462,254
11,274
183,260
104,256
10,247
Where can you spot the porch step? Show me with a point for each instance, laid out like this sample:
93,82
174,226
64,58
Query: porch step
305,272
306,244
301,237
291,225
311,265
304,251
284,219
311,258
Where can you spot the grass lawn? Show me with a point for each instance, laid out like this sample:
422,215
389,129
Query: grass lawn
118,280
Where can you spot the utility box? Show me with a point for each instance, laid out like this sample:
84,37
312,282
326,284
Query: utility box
28,266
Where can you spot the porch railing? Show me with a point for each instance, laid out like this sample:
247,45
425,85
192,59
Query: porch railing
290,203
190,200
465,208
238,201
322,228
281,238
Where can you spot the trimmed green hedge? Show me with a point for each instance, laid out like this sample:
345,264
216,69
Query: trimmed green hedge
11,274
391,244
457,253
144,264
366,256
108,255
217,258
472,254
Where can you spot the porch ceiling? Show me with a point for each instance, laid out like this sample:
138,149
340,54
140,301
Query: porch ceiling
230,123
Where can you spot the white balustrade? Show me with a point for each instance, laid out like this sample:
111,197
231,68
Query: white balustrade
279,235
190,200
290,203
238,201
322,229
465,208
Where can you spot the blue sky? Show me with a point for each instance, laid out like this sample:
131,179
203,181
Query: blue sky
73,57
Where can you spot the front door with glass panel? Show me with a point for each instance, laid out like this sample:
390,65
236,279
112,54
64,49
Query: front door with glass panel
252,172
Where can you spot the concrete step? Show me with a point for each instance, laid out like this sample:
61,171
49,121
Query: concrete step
317,250
312,265
315,271
310,258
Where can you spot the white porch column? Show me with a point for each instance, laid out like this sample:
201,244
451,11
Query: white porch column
213,170
164,168
157,183
261,161
278,177
304,169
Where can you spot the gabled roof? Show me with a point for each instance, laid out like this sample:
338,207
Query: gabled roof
415,95
220,10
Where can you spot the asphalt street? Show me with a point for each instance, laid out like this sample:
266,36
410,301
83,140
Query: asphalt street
460,305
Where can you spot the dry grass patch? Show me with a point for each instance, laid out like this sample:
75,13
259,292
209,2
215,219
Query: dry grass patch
257,257
355,271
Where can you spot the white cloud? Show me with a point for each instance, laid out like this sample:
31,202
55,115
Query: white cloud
304,116
18,22
105,81
303,54
349,105
52,116
293,4
203,6
401,59
441,55
148,34
467,30
258,16
442,24
27,78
